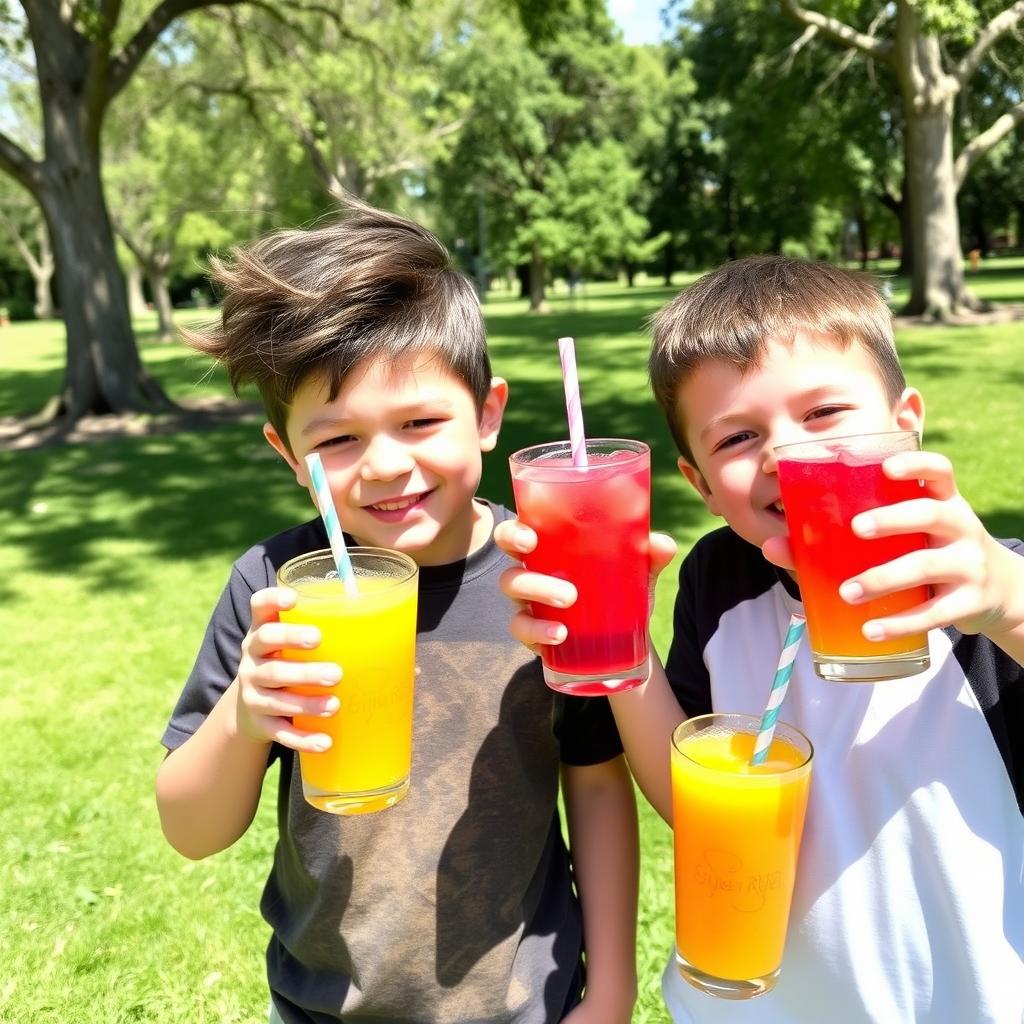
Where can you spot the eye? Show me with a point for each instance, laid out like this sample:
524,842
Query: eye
422,424
825,411
733,439
334,442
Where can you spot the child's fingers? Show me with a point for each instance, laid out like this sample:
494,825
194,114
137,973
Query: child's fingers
268,704
939,611
778,551
535,632
277,636
534,587
662,551
514,538
941,520
266,604
281,730
930,566
934,469
274,673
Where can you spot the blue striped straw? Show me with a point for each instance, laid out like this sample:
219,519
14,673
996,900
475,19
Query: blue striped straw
330,517
778,692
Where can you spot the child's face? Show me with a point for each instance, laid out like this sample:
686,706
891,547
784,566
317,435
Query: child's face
733,421
401,446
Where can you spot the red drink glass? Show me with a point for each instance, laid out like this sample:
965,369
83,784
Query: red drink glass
825,483
593,528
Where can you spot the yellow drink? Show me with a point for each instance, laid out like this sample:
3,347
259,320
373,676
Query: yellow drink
737,834
371,635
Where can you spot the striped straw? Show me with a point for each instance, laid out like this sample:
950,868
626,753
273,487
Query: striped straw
779,684
573,407
330,517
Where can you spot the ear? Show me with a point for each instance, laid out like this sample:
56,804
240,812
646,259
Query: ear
699,484
278,444
910,410
492,413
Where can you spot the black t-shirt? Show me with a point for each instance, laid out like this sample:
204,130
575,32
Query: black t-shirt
457,903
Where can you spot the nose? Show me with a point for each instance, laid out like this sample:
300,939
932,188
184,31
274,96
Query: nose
385,458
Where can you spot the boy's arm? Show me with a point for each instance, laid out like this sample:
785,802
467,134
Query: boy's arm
645,716
600,811
208,789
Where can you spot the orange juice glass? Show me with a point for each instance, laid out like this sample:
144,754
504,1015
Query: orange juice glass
372,636
736,832
824,484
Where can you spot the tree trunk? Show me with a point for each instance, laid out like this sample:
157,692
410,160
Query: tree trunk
1020,225
162,301
669,261
862,235
537,304
104,373
630,268
901,210
42,275
937,287
136,298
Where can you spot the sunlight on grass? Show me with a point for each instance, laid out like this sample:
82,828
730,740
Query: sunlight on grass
112,555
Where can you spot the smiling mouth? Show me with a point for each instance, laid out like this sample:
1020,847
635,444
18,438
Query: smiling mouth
776,506
398,504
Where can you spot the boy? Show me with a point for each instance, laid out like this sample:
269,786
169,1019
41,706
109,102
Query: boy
909,903
456,904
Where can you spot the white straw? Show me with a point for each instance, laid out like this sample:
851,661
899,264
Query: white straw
573,406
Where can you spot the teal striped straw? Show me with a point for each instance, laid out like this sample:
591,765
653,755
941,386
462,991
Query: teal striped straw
331,523
778,691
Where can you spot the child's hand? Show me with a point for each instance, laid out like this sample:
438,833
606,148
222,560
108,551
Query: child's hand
517,539
264,707
976,583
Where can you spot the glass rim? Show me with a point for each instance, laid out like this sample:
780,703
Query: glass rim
529,454
755,723
839,438
356,553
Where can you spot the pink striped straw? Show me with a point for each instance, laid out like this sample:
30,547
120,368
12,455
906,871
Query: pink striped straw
573,407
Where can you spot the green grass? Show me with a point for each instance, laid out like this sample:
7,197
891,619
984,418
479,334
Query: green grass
111,556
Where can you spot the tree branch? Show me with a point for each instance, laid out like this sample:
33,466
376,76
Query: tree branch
123,66
879,49
18,164
981,144
1005,21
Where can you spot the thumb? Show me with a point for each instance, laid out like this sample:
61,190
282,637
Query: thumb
662,551
778,552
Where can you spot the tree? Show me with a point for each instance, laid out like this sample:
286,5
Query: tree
934,49
21,219
534,103
84,54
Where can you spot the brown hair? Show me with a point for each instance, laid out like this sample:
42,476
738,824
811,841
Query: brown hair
322,300
729,314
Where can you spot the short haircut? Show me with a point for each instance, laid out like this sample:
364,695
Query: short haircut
729,314
320,301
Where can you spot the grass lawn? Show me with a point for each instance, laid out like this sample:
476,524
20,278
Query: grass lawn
111,556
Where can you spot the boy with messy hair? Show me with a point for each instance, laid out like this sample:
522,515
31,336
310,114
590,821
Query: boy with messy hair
459,903
909,900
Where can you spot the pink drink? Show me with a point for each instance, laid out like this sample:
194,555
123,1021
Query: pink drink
593,529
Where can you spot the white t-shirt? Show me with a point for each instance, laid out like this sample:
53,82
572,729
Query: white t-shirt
909,901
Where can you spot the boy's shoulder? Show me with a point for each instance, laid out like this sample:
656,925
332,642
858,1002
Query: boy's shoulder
723,567
260,563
